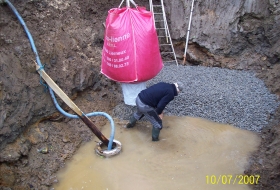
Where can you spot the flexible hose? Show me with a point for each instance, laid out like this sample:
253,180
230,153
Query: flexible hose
51,91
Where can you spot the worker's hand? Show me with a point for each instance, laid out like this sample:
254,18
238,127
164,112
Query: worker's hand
160,116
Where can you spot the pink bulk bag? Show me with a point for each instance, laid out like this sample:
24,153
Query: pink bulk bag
131,49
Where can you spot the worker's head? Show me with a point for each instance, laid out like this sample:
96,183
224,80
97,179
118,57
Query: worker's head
179,86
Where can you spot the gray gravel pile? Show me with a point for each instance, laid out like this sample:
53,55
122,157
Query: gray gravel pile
227,96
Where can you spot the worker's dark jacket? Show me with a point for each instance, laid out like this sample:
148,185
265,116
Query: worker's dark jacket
158,95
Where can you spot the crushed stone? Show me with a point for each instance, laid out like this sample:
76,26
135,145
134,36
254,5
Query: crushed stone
226,96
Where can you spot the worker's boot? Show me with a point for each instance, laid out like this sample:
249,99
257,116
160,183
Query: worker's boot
132,122
155,133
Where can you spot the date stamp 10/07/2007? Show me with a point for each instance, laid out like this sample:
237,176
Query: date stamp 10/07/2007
232,179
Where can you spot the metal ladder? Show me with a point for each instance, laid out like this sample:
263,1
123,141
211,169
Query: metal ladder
165,41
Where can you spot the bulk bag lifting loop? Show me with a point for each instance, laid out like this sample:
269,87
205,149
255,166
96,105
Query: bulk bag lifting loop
128,3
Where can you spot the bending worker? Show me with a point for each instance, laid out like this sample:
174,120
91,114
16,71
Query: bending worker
151,103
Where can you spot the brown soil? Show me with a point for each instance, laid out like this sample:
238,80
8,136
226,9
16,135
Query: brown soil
69,38
265,162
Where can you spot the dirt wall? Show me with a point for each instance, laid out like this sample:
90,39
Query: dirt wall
239,34
68,35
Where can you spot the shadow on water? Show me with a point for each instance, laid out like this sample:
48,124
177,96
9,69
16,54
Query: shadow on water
192,153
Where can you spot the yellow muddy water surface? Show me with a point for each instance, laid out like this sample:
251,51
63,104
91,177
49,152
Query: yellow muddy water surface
193,154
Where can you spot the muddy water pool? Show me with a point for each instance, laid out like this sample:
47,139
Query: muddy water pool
192,153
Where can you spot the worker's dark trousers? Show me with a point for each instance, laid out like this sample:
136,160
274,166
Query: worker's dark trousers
149,112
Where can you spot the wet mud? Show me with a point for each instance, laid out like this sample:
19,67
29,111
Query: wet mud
184,158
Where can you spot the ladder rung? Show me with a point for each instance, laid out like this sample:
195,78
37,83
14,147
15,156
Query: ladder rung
158,13
157,5
163,36
165,44
159,20
170,61
166,52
